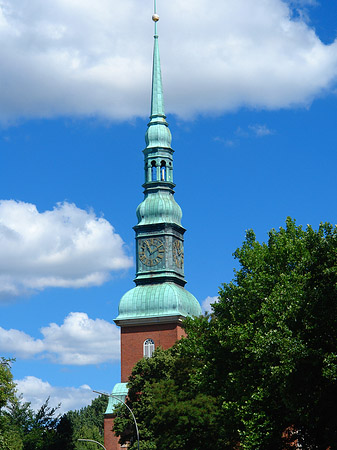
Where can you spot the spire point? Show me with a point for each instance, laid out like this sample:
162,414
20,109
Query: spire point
155,18
158,134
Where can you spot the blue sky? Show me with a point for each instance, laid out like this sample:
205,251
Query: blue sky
250,91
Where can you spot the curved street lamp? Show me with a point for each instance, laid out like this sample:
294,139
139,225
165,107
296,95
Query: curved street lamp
121,401
91,440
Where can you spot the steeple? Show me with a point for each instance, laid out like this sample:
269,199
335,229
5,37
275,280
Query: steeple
157,100
159,207
159,293
158,135
151,314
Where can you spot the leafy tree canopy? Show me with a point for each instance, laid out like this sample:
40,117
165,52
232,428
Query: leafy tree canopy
7,387
86,423
261,370
165,405
10,436
21,428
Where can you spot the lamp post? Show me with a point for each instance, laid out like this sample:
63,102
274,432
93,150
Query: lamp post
121,401
91,440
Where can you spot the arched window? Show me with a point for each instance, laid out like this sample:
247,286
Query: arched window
148,348
153,171
163,171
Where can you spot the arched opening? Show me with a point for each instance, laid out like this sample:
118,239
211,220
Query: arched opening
148,348
163,171
153,171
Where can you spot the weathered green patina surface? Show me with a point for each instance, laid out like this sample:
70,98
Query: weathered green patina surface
120,391
160,281
157,300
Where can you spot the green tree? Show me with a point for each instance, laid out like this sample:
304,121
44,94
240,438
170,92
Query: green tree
170,412
265,359
10,436
40,427
272,341
7,386
86,423
21,428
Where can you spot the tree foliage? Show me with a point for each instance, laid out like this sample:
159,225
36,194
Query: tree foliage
261,370
276,328
22,428
29,430
10,436
170,412
7,386
86,423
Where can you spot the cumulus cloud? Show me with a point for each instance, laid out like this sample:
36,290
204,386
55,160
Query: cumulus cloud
36,391
82,341
88,58
78,341
64,247
19,343
206,304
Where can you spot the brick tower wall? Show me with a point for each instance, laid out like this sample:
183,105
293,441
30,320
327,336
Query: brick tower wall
110,440
132,340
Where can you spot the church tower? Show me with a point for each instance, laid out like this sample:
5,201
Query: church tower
150,314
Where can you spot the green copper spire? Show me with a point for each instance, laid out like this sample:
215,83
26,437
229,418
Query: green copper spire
159,302
159,205
157,102
159,295
158,133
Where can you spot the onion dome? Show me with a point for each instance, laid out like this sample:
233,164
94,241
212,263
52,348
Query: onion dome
157,301
159,207
158,133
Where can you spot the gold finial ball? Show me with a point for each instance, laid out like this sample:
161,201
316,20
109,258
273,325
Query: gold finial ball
155,17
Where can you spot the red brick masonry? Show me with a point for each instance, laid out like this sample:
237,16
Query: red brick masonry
132,340
110,440
132,350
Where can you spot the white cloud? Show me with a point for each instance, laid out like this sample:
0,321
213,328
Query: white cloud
81,341
78,341
256,130
65,247
206,304
88,58
225,142
260,130
36,391
19,343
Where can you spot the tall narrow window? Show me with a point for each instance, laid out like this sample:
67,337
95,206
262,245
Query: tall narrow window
148,348
153,171
163,171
